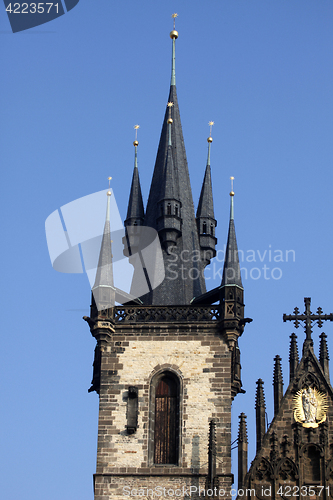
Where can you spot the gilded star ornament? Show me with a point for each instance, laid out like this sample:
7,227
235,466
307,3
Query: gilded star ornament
170,104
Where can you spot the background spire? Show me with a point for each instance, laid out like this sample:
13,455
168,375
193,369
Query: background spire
277,383
173,36
135,210
231,270
260,413
103,289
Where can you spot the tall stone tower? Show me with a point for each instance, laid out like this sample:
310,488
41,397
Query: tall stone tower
167,365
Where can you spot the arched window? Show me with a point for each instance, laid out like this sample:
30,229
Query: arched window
165,403
169,209
204,227
211,230
176,210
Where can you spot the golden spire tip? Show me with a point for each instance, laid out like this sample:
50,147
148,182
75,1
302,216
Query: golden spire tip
136,142
232,186
109,192
174,33
210,139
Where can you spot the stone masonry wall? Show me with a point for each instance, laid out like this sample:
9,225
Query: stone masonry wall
201,359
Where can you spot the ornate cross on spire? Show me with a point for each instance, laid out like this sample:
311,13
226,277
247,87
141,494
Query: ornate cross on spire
307,317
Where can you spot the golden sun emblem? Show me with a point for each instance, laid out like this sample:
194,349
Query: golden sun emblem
310,407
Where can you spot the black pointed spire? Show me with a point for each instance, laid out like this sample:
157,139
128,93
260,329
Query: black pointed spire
205,213
211,476
183,272
260,413
242,450
135,211
277,384
103,289
293,357
323,355
231,270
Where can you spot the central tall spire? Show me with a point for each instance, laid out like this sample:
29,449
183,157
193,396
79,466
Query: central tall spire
170,210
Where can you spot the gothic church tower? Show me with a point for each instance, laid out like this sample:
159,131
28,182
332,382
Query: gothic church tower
167,365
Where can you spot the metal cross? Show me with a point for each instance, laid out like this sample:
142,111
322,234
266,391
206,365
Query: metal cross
308,317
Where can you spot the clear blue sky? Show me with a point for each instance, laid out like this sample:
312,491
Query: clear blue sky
71,92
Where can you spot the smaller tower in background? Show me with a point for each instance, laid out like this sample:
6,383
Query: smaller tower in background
135,211
260,413
277,383
293,357
206,222
103,290
323,355
242,450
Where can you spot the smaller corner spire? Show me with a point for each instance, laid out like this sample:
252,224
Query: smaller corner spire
260,413
173,36
135,210
103,289
242,429
206,222
277,383
323,355
293,357
231,271
242,450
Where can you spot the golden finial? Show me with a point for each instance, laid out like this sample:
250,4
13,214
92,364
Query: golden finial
136,128
109,192
170,104
210,139
232,186
174,33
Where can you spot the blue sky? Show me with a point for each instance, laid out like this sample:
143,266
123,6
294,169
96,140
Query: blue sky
71,92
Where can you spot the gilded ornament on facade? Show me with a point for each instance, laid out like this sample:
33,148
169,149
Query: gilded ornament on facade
310,407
